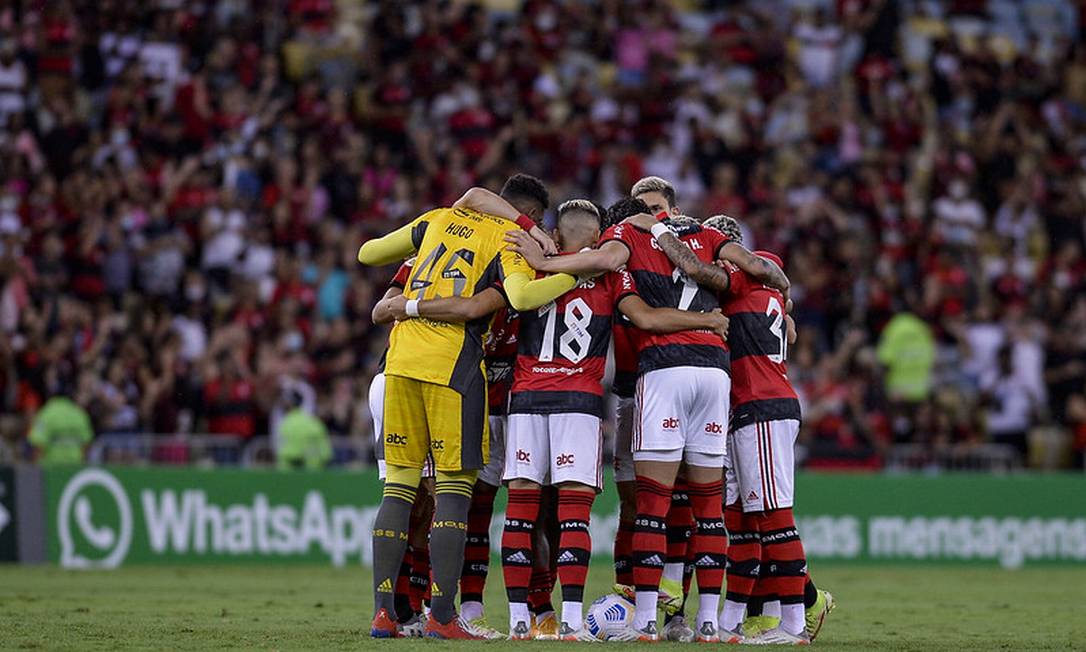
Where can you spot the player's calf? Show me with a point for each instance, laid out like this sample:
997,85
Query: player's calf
650,546
477,551
709,547
390,535
517,550
680,527
574,548
784,567
623,549
744,563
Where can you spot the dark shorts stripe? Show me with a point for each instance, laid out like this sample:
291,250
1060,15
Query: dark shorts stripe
556,403
683,355
769,409
473,419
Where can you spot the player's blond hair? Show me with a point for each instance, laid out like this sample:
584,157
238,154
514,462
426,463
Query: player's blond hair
655,184
726,224
583,205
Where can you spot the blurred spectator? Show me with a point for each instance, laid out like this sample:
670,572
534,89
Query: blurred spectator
1010,402
303,440
907,349
61,432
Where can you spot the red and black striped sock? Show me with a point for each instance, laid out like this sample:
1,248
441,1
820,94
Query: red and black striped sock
810,593
404,609
575,542
710,541
784,565
420,578
650,533
744,554
539,590
520,517
623,553
680,524
477,546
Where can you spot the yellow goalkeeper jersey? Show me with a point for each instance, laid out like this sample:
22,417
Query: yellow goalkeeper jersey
460,253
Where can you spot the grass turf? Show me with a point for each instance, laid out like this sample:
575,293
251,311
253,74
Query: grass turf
291,607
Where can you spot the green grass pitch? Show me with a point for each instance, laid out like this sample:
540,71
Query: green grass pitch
293,607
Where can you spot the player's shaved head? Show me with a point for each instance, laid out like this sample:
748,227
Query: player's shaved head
726,224
579,223
658,193
527,194
623,208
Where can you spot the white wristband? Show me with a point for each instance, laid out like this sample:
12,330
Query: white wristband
659,229
412,308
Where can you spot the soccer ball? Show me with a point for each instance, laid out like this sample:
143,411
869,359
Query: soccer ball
608,615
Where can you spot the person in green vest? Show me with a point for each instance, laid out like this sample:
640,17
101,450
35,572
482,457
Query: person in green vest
303,440
61,432
907,350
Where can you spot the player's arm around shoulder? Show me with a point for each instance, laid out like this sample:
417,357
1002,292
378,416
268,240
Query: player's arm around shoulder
763,270
524,293
610,256
397,245
522,289
490,203
680,254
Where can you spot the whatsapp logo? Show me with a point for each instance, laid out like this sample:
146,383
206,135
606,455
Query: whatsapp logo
94,521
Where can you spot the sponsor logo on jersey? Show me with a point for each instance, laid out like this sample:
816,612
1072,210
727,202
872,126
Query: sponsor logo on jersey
437,444
751,497
396,439
714,428
670,424
524,456
557,370
565,459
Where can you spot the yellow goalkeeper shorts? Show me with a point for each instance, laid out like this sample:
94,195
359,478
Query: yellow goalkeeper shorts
422,417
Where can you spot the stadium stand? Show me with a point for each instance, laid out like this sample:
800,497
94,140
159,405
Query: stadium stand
184,186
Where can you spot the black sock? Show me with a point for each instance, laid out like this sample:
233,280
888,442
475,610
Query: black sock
755,605
404,612
810,593
389,544
447,539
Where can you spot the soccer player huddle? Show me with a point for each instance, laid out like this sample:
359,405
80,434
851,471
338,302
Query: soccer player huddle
494,375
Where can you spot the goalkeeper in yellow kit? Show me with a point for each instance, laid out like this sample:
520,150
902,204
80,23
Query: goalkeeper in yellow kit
435,391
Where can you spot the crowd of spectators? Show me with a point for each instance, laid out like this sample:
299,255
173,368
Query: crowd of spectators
185,184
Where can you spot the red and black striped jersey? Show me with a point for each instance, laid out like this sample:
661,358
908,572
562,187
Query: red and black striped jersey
624,334
562,351
662,285
499,356
758,338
